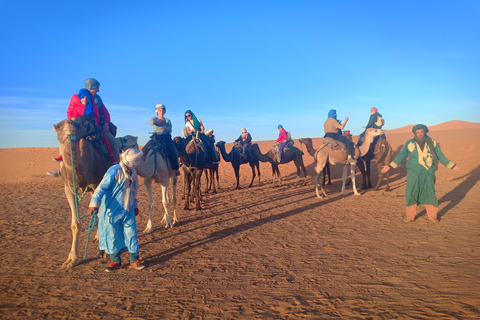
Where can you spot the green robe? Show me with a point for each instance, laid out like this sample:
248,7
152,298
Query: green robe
420,172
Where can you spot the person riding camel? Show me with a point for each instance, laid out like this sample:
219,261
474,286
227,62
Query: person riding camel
375,121
83,104
162,129
194,127
244,140
333,129
282,139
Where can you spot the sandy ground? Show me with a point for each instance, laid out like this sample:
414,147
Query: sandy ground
266,252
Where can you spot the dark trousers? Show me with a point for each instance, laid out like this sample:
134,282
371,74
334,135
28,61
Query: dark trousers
171,149
280,149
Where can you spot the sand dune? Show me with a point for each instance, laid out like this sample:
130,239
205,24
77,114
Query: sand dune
264,252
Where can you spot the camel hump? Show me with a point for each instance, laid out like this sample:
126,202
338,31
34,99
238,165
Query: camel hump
334,144
294,150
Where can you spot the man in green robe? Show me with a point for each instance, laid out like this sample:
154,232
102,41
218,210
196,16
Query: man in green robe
423,156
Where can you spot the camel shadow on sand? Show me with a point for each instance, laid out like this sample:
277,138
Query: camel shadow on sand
221,234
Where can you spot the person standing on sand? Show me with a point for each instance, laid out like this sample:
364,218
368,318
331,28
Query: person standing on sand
423,153
116,195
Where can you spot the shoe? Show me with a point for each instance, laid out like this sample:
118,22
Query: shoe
350,159
57,173
434,220
113,266
282,162
58,159
139,265
407,220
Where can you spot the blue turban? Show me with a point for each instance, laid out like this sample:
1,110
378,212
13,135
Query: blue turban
89,107
280,126
332,114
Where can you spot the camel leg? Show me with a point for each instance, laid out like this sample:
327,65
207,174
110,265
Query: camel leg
196,190
187,180
218,180
148,185
166,216
237,175
352,176
72,259
344,179
173,183
252,166
304,174
367,167
258,172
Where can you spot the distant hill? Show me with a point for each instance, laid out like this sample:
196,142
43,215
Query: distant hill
449,125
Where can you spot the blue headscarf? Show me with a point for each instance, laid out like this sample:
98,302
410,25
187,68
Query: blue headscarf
332,114
89,107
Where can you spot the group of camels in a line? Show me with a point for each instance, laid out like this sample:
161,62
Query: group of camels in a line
89,168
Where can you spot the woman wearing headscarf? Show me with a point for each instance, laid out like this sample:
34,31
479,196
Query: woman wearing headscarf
424,154
376,122
193,124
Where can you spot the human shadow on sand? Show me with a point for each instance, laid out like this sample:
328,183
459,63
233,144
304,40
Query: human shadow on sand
221,234
457,194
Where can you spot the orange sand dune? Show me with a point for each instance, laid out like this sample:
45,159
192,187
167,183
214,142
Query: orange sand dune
266,252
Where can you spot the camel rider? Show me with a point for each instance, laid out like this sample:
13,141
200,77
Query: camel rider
282,139
116,196
244,140
162,129
194,127
376,121
333,129
93,86
83,104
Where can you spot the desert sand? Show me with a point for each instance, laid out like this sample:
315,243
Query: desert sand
266,252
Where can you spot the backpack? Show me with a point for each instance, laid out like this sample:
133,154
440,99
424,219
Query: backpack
289,136
380,121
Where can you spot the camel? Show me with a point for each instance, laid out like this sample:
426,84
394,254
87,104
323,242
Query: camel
293,154
126,142
193,166
89,167
326,154
156,168
236,159
210,174
382,153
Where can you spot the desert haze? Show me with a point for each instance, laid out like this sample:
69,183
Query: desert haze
265,252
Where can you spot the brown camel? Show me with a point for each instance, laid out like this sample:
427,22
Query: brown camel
294,154
236,159
89,167
326,154
210,174
193,165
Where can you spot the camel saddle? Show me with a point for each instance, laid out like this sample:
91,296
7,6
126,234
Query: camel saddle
86,129
194,145
155,145
276,147
334,144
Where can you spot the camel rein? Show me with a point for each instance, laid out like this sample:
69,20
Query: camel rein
94,219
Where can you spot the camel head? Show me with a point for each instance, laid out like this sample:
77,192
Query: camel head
220,145
371,133
126,142
64,130
305,141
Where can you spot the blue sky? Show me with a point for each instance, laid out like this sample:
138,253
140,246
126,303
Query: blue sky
253,64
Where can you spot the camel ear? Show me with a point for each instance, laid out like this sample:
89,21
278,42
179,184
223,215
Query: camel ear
55,127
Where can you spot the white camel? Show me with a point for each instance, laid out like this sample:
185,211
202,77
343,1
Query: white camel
126,142
156,168
326,154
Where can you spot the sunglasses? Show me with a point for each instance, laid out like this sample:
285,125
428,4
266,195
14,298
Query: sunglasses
188,115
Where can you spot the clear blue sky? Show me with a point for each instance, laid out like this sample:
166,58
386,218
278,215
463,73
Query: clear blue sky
253,64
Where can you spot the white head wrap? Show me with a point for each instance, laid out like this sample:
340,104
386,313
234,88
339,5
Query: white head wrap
244,130
132,157
160,106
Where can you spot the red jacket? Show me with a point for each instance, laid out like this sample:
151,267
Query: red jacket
77,108
283,136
